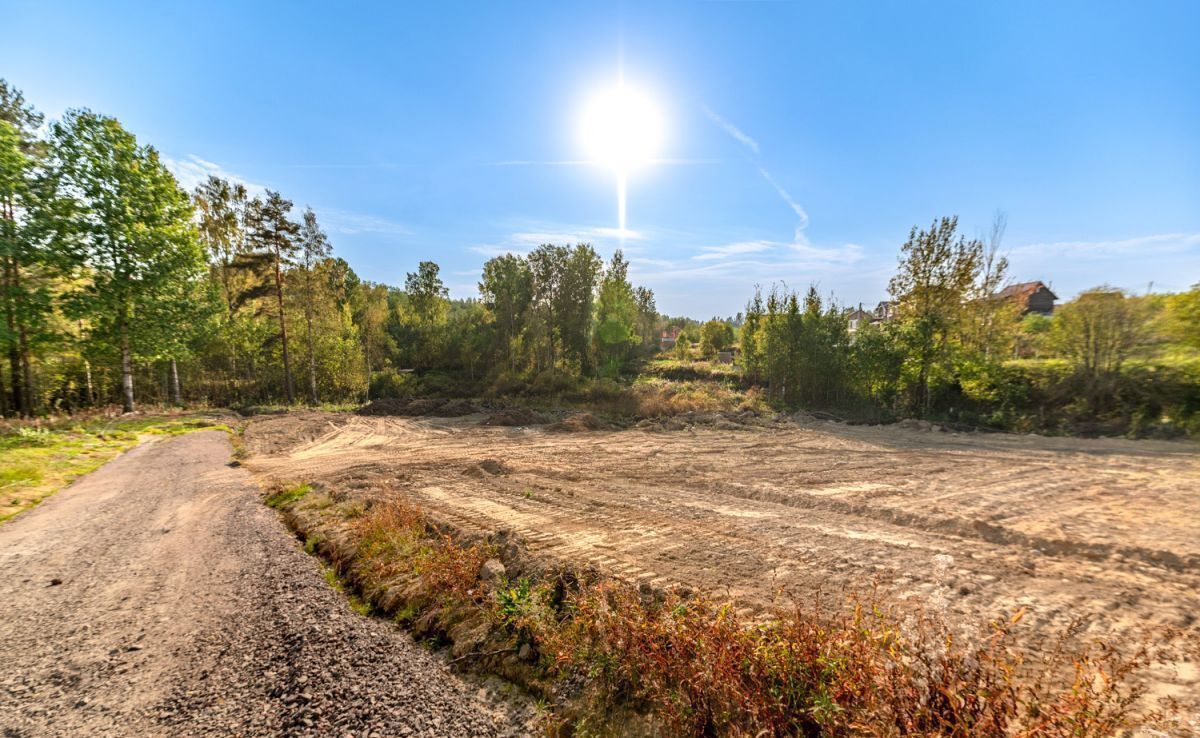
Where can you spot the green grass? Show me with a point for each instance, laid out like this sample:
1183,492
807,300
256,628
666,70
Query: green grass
38,460
285,496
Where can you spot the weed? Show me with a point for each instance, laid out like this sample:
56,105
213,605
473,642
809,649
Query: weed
284,496
700,668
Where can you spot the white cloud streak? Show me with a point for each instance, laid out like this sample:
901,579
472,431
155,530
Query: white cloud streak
1164,243
191,171
350,223
734,132
522,242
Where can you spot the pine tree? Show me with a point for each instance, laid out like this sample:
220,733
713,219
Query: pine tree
272,237
314,247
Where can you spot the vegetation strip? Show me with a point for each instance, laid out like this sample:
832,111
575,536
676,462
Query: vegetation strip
39,459
118,281
608,658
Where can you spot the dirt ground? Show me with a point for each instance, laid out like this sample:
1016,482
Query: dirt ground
159,597
969,525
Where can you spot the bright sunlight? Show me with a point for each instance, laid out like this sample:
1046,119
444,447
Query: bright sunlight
622,129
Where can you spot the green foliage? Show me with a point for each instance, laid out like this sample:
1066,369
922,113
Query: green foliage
938,269
132,226
800,350
616,317
108,283
38,460
715,335
284,496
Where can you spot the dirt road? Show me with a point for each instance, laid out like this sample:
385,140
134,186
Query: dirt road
158,596
973,526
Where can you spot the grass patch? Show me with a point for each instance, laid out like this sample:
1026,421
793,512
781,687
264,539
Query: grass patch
284,496
39,458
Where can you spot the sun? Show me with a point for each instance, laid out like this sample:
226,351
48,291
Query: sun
622,128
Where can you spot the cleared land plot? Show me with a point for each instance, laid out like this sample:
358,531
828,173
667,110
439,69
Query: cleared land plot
973,526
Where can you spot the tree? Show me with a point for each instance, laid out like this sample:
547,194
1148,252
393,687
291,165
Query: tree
715,336
136,234
751,338
370,313
576,300
24,206
1097,332
990,324
507,290
1183,317
647,315
616,316
937,270
314,246
273,236
426,293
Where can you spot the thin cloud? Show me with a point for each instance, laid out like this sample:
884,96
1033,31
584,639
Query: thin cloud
350,223
1164,243
521,243
734,132
192,171
732,249
800,212
589,163
801,240
539,163
819,263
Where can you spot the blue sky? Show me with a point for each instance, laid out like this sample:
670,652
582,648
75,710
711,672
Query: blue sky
803,140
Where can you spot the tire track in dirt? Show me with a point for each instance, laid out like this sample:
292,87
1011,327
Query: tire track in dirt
973,526
160,597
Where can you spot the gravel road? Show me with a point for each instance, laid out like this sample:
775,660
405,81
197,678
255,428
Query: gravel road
158,596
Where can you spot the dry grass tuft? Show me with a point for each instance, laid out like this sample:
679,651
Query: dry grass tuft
699,668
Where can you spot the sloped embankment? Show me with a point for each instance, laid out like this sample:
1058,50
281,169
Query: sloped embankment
615,659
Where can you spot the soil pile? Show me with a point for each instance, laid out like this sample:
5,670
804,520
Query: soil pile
487,468
514,416
418,407
578,423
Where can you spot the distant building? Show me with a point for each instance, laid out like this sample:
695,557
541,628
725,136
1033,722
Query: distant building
669,337
885,311
857,318
1033,297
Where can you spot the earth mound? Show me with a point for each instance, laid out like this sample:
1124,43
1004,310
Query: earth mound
487,468
514,416
578,423
418,407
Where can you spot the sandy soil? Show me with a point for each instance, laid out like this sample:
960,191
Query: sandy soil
159,596
971,525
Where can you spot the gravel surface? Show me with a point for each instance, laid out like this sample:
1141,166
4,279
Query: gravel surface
158,596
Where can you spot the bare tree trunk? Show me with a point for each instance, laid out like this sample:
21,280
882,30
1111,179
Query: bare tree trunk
87,373
126,367
176,397
287,362
312,358
14,353
19,352
26,370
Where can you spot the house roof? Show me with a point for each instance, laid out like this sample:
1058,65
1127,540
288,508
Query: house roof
1023,290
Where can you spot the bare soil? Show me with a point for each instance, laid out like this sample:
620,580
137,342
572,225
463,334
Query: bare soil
159,596
971,526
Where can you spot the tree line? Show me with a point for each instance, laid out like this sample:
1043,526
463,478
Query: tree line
956,349
118,285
